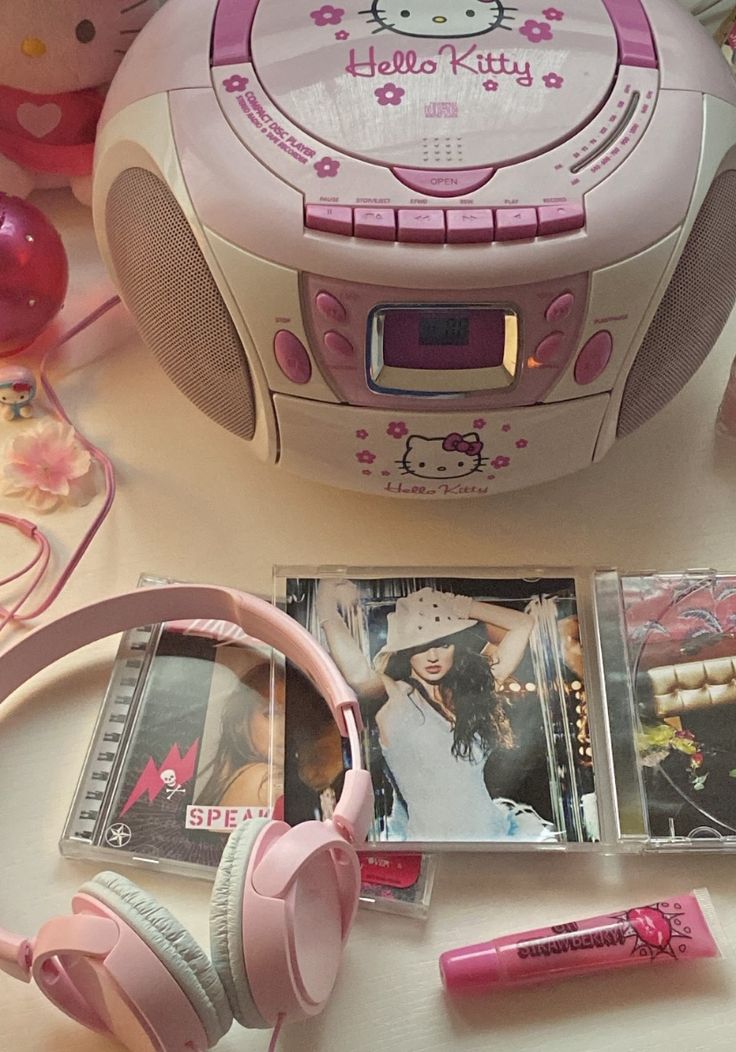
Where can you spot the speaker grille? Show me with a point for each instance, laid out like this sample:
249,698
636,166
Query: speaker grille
692,313
166,283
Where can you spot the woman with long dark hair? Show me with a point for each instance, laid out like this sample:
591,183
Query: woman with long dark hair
433,690
240,774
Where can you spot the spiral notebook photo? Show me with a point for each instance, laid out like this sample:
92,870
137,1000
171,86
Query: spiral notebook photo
473,696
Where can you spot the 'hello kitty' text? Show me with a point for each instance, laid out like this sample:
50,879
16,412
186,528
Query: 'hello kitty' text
449,58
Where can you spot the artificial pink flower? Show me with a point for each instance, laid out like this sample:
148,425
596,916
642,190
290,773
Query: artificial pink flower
46,465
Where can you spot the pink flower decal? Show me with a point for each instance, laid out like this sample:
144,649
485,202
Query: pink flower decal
500,462
327,168
506,427
327,15
389,95
342,35
365,456
48,465
479,424
397,429
522,443
385,473
536,32
553,15
362,434
553,80
490,85
235,83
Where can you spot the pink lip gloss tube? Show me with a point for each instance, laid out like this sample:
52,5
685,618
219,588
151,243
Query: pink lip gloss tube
681,928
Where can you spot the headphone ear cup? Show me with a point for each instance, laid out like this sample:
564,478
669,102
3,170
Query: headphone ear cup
282,907
226,922
174,946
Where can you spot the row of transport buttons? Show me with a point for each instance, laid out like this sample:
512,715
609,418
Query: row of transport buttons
454,226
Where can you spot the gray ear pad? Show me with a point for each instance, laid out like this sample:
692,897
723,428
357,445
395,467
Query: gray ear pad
226,922
173,945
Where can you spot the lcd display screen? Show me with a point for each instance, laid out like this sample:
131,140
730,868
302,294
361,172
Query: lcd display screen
445,338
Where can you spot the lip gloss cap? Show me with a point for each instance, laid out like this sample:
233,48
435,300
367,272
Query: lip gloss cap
470,969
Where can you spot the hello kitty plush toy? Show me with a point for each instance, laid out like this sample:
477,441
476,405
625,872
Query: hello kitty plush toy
56,59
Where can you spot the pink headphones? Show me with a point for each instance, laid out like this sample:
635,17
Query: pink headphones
283,902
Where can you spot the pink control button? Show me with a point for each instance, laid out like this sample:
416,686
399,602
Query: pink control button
466,226
292,357
557,219
560,308
514,224
338,345
551,349
594,358
444,183
424,225
332,219
330,307
376,223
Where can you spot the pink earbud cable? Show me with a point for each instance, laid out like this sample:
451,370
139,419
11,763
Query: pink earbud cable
40,560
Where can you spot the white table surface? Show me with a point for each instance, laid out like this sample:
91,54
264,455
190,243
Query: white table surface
193,505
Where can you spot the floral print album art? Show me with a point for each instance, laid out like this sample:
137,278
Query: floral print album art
681,638
473,698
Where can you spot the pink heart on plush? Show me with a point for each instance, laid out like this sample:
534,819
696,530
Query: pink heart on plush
38,120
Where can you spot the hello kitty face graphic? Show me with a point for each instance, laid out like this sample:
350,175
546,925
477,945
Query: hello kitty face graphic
69,44
447,19
453,457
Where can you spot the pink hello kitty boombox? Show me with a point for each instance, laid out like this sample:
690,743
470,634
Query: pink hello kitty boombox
426,247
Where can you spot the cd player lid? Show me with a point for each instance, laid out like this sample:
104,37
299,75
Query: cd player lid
443,83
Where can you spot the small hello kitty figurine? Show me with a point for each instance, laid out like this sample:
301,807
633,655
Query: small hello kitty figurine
17,391
56,60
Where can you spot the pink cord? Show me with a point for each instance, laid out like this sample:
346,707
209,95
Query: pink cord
275,1034
41,559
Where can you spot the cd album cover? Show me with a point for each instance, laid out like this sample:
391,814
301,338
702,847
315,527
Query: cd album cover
681,638
191,749
474,701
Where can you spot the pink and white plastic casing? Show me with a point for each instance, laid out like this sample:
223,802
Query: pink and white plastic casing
445,235
123,966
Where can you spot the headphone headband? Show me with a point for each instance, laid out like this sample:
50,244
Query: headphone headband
178,602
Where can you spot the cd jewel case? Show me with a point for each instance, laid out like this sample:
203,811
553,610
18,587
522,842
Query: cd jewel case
540,709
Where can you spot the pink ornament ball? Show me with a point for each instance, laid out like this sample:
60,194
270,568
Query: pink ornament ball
33,274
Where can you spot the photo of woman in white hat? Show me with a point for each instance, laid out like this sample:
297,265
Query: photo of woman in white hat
433,690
